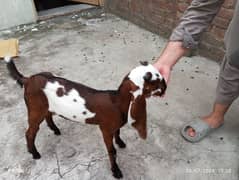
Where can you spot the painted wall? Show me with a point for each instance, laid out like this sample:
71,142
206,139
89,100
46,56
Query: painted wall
16,12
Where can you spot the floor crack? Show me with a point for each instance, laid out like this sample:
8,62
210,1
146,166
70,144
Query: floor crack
58,166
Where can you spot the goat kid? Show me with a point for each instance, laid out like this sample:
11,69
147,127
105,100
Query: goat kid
47,95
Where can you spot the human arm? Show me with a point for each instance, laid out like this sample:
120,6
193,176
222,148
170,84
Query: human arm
187,34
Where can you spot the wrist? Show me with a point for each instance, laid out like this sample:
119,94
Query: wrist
171,54
161,64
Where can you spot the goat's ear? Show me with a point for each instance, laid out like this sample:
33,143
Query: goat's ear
144,63
138,113
148,77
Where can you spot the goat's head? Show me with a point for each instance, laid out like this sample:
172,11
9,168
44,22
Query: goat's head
144,81
147,81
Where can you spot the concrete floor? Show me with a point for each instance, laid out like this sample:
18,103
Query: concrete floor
98,50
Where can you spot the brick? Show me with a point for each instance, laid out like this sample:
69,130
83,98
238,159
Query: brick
218,33
212,40
136,7
210,51
230,4
226,13
221,22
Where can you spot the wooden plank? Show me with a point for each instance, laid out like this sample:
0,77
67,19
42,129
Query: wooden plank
94,2
101,2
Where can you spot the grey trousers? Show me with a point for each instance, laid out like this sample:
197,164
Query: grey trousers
228,83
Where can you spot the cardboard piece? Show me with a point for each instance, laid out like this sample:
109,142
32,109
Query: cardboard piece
9,48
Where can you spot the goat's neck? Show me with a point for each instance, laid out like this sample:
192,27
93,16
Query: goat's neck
125,96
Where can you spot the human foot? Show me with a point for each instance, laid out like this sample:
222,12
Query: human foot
198,129
213,122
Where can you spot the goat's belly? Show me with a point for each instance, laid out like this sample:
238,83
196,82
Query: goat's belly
67,104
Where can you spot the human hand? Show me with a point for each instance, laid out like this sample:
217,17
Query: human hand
169,57
164,70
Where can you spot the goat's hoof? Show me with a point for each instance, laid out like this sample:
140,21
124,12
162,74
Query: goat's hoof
36,155
117,173
121,144
57,132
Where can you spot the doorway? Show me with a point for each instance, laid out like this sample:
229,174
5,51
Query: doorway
46,4
50,8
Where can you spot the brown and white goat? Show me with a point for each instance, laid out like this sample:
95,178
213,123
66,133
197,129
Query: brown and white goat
47,95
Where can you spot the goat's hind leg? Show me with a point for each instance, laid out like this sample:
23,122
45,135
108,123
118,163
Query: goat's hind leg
51,124
118,140
34,123
36,103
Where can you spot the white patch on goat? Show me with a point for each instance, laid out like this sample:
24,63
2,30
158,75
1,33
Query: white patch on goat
70,105
130,119
137,77
7,59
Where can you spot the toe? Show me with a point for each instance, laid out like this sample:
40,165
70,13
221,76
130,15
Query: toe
191,132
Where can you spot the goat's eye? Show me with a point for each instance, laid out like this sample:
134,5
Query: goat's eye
157,75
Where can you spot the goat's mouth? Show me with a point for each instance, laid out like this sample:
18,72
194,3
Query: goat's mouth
158,93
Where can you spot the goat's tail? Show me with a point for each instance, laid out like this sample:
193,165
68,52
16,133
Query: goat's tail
14,73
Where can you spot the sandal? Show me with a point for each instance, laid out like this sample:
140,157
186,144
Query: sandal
201,128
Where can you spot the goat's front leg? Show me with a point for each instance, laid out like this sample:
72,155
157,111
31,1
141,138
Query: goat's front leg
108,139
118,140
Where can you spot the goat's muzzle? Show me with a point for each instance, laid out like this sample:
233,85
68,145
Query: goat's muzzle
161,89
